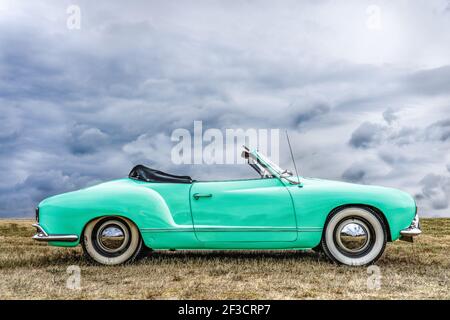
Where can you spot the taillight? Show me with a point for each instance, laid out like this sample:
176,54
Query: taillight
37,214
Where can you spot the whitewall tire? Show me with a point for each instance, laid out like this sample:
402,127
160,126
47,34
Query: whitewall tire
112,240
354,236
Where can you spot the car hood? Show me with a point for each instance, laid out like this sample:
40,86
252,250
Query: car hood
356,190
316,182
324,182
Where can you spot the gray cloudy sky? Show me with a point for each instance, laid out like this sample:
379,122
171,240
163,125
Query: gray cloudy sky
362,86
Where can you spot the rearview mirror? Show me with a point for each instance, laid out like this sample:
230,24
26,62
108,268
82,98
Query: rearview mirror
286,173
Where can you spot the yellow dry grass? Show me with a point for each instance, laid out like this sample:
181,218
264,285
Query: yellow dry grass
30,270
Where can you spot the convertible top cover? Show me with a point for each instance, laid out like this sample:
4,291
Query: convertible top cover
143,173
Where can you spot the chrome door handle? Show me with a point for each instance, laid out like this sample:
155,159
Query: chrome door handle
201,195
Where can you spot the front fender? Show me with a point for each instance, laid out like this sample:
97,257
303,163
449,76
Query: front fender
316,199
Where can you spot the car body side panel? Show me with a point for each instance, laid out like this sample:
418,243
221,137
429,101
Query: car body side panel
162,211
316,198
156,206
253,210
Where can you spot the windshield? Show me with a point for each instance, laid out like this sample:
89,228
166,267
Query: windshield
269,162
272,166
255,163
266,167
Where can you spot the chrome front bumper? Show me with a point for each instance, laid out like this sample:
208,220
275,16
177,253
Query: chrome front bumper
41,235
412,231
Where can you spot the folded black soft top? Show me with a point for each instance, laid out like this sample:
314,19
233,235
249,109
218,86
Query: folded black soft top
147,174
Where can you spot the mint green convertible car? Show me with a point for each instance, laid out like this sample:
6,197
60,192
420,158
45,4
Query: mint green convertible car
116,221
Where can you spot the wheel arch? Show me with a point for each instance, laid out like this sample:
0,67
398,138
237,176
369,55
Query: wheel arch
133,249
363,206
106,216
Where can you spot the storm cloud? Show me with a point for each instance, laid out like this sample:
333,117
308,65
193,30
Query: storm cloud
363,102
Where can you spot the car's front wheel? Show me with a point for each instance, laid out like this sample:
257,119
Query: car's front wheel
354,236
112,240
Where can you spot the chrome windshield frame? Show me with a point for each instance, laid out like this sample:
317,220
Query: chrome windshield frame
272,167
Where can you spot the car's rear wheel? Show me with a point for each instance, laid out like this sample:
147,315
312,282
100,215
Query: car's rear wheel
112,240
354,236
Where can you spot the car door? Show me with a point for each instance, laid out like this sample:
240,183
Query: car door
243,211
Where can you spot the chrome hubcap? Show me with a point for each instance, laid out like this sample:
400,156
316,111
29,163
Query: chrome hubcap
112,237
352,236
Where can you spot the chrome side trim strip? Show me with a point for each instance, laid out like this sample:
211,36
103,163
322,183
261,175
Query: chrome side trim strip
167,229
310,229
234,229
41,235
245,229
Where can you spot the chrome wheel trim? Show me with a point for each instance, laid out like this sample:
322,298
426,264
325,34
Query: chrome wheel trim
96,253
112,236
376,244
353,236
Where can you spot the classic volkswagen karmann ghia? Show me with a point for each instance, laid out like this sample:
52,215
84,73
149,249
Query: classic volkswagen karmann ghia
117,220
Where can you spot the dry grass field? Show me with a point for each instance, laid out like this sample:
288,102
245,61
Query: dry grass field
30,270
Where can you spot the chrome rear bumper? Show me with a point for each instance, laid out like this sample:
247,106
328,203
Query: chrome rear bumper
41,235
412,231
